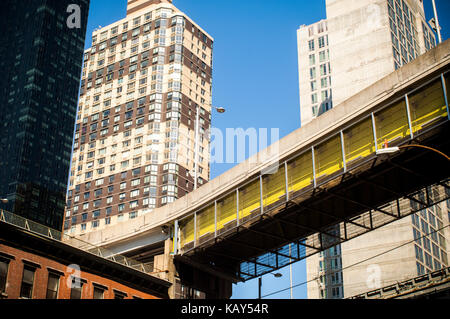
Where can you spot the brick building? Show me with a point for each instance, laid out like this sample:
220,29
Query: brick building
35,266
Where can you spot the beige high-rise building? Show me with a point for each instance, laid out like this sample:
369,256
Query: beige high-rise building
359,43
144,80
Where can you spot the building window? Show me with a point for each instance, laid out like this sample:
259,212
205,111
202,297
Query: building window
52,286
98,293
428,261
132,215
323,41
322,56
419,253
312,59
119,295
96,213
134,193
134,204
420,269
337,292
76,288
312,73
323,70
26,288
4,265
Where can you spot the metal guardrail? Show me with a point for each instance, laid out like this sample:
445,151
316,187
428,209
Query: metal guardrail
31,226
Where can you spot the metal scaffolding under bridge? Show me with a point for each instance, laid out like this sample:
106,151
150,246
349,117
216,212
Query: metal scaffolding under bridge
335,189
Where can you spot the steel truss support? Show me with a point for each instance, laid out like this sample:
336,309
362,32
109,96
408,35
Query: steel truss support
255,248
230,256
424,178
314,230
370,212
391,191
348,220
273,236
361,204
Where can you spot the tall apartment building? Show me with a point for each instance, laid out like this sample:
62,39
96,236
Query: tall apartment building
359,43
41,50
314,70
144,79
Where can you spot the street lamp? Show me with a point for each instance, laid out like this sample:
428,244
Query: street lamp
290,271
435,22
393,150
277,275
220,110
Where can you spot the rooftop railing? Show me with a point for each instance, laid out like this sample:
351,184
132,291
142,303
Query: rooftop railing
31,226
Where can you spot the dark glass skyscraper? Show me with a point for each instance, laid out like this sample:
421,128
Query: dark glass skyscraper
41,49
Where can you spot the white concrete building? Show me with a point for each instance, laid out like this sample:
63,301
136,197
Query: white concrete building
358,44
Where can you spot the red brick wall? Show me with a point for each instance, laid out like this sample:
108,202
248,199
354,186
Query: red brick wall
15,272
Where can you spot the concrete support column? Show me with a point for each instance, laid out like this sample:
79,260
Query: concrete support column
178,273
164,267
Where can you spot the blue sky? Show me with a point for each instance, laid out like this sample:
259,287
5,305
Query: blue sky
255,75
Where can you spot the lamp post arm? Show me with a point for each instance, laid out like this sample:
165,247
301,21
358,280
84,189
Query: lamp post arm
438,28
427,148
